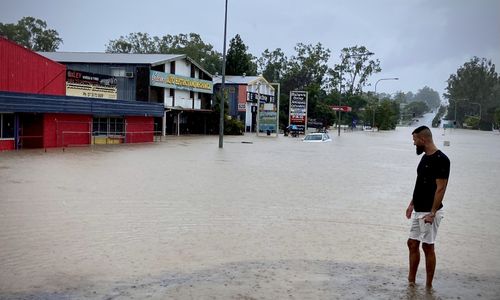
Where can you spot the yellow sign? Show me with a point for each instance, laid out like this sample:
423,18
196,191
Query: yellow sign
91,91
180,82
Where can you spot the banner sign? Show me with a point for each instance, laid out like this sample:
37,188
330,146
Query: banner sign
85,84
252,97
342,108
173,81
298,110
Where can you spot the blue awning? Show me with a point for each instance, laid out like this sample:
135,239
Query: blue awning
36,103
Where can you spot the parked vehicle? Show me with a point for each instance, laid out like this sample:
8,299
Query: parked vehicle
317,138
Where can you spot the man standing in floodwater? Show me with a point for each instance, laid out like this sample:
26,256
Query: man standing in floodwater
425,208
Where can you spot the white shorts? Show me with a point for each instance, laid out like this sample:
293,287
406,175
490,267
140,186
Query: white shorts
425,232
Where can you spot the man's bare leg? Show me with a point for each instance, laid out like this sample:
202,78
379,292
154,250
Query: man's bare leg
413,247
430,263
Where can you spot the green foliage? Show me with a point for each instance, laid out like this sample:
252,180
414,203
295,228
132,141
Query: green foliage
32,34
355,67
429,96
233,127
471,122
474,82
416,108
305,70
272,65
497,117
189,44
238,61
387,115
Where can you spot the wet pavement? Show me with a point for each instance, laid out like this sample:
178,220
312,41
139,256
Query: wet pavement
264,217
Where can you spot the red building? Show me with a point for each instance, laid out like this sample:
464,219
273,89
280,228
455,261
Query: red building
36,113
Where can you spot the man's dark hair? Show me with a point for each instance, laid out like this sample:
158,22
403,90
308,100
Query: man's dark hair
424,130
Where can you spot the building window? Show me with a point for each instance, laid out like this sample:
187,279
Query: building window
118,72
108,126
172,67
193,72
191,95
6,126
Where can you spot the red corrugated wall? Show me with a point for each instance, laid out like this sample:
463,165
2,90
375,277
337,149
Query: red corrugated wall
140,129
22,70
61,130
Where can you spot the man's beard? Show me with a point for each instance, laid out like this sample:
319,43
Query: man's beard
420,149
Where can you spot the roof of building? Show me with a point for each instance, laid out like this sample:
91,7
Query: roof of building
114,58
237,79
117,58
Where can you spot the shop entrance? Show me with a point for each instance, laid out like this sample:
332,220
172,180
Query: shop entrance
30,131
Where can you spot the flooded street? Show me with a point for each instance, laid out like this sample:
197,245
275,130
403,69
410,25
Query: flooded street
263,218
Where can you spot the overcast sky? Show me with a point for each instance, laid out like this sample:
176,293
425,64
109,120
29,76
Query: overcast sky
420,41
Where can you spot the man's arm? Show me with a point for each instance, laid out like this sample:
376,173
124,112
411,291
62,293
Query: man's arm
438,197
409,210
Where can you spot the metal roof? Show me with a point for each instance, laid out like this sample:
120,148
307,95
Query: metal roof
112,58
118,58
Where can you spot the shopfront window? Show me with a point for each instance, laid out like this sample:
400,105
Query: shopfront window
6,126
108,126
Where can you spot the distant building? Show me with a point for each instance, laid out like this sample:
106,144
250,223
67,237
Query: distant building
180,84
243,92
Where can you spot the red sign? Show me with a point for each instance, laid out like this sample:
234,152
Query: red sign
343,108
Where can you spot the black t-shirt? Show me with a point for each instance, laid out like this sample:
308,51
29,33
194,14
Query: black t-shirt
430,168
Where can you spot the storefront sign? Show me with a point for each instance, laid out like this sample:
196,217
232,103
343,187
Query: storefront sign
252,97
90,85
298,109
172,81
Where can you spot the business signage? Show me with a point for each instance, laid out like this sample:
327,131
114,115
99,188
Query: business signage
342,108
252,97
267,117
173,81
298,110
90,85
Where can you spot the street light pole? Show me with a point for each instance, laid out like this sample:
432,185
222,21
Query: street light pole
223,87
392,78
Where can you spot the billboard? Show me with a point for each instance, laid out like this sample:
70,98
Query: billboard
90,85
298,110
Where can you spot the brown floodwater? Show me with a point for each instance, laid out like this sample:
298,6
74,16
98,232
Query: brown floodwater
263,217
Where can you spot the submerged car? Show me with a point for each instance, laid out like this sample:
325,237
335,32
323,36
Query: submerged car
320,137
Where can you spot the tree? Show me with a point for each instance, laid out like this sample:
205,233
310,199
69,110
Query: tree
272,65
189,44
429,96
497,117
354,69
416,108
307,67
476,82
32,33
238,60
304,71
387,115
